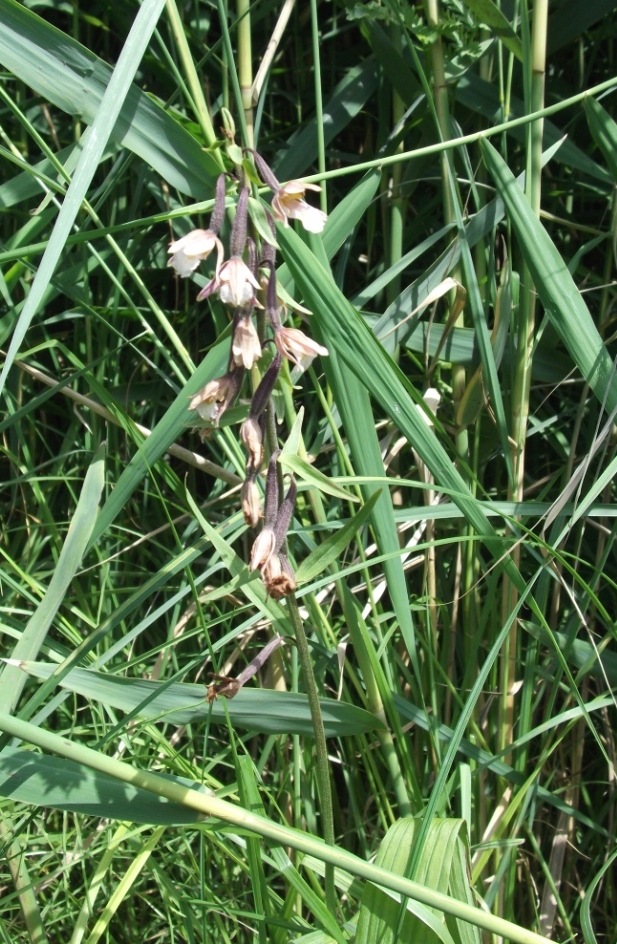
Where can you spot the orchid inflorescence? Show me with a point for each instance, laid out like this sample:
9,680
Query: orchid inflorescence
241,281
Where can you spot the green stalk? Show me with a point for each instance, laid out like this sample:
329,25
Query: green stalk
15,857
245,67
261,826
321,145
526,333
201,109
361,640
321,748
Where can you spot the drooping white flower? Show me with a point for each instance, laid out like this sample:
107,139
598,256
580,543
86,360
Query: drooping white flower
245,346
234,282
288,204
296,346
188,251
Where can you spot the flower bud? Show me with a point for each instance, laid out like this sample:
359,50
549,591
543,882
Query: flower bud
252,437
251,502
245,346
263,549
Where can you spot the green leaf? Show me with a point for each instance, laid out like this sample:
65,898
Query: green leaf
604,131
67,74
313,477
382,918
327,552
348,98
63,784
257,709
556,288
35,632
488,13
345,332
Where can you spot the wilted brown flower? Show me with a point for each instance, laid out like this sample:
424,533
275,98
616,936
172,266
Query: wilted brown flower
278,577
213,399
252,437
251,502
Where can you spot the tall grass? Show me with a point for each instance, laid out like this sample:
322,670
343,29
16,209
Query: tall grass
430,755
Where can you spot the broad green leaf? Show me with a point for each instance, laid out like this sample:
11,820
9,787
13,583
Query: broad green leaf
348,98
555,286
63,784
35,632
327,552
596,660
257,709
74,79
382,918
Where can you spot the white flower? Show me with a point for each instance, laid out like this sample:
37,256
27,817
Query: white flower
213,399
234,282
245,346
296,346
288,204
188,251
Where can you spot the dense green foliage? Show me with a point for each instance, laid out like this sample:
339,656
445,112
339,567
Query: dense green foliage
454,555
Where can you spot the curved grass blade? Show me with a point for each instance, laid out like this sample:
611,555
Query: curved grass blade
556,288
71,77
94,142
71,554
39,780
264,710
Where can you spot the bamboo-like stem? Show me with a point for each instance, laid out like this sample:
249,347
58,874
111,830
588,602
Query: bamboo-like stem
245,67
271,48
522,376
202,112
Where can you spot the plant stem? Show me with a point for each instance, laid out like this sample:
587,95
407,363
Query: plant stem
321,749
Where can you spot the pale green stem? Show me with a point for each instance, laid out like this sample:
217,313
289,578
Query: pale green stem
360,644
15,857
261,826
231,72
321,747
245,66
201,109
524,349
321,146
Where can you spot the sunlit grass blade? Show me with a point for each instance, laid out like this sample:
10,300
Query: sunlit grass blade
73,549
555,286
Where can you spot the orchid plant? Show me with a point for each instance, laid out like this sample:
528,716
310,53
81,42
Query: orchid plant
245,282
